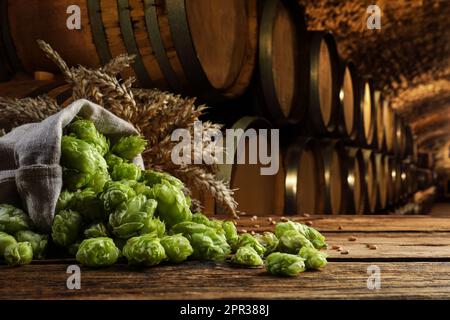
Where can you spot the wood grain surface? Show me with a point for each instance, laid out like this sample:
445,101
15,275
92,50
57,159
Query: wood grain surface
413,256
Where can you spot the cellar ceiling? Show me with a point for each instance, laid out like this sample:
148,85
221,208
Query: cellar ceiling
408,58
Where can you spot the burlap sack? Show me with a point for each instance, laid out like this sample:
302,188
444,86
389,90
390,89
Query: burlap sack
30,174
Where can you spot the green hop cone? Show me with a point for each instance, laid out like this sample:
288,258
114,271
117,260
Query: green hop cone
151,178
80,155
13,219
314,259
97,252
85,130
112,160
98,181
129,147
154,225
114,194
231,233
285,264
126,171
64,201
292,241
75,180
268,240
212,223
96,230
18,254
172,205
282,227
188,228
209,245
88,205
144,250
177,248
66,227
247,239
316,238
130,217
5,241
247,256
141,188
38,242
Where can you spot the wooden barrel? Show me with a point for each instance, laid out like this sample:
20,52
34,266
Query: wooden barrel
397,179
391,173
349,97
382,169
303,184
323,83
205,48
58,89
424,178
389,127
409,142
354,181
333,176
255,193
281,68
367,116
400,137
370,181
380,125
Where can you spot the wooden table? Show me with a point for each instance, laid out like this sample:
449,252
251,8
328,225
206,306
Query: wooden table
413,257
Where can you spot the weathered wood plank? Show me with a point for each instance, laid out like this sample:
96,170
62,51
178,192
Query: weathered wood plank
354,223
194,280
391,246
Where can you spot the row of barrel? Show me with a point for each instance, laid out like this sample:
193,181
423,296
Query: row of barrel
213,49
322,176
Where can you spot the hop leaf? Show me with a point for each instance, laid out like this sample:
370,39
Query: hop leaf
292,241
80,155
129,147
126,171
172,205
5,240
285,264
18,254
247,256
97,252
114,194
85,130
13,219
314,259
247,239
130,217
268,240
177,248
144,250
66,227
38,242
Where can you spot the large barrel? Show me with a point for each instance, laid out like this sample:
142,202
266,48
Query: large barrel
367,117
323,83
380,125
391,173
389,125
26,87
303,183
370,181
400,137
202,47
255,193
282,88
424,178
354,181
333,176
382,169
349,98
